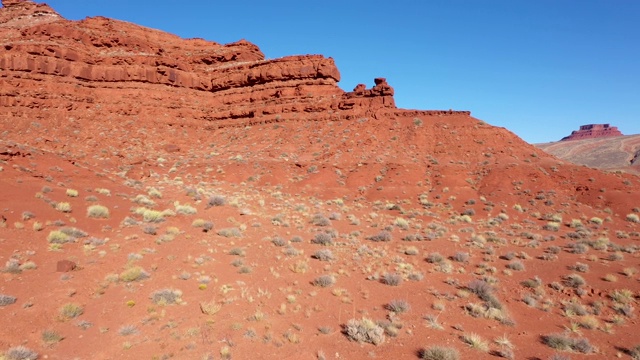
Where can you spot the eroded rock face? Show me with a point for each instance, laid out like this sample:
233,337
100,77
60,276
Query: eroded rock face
103,69
593,131
66,86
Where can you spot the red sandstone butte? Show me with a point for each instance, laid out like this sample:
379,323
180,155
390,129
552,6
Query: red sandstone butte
101,68
593,131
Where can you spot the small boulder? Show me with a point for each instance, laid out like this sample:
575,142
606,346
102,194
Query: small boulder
65,266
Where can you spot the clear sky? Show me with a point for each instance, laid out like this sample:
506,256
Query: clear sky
540,68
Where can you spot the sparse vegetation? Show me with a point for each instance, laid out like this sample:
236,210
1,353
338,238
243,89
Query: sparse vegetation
7,300
398,306
381,236
98,212
565,343
439,353
324,281
323,255
70,311
322,239
364,330
21,353
634,218
166,296
392,279
134,273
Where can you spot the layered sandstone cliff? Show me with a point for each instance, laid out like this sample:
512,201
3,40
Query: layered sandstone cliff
104,69
593,131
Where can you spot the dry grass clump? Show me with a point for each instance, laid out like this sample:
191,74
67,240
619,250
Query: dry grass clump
185,209
152,216
364,330
210,308
51,337
574,281
324,281
322,239
383,236
320,220
476,341
20,353
622,296
135,273
515,265
634,218
216,200
27,215
439,353
166,296
391,279
230,232
127,330
98,212
398,306
70,311
64,207
324,255
565,343
7,300
58,237
435,258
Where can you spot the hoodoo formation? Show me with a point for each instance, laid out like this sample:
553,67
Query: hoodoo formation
593,131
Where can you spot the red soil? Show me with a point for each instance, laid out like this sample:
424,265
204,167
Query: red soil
102,104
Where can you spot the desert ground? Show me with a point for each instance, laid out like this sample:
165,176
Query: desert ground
264,213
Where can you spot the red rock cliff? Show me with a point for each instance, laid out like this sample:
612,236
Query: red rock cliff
593,131
57,68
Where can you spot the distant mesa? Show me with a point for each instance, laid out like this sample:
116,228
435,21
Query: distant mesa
593,131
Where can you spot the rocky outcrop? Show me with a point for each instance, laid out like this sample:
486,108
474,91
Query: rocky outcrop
593,131
64,82
103,68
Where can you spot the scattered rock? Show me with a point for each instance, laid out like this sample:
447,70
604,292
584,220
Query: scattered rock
65,266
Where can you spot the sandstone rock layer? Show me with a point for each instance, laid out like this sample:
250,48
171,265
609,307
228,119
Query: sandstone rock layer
100,68
593,131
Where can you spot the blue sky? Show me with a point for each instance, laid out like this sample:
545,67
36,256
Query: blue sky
540,68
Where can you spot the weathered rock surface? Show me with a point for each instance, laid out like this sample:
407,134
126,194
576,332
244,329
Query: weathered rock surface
593,131
100,69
